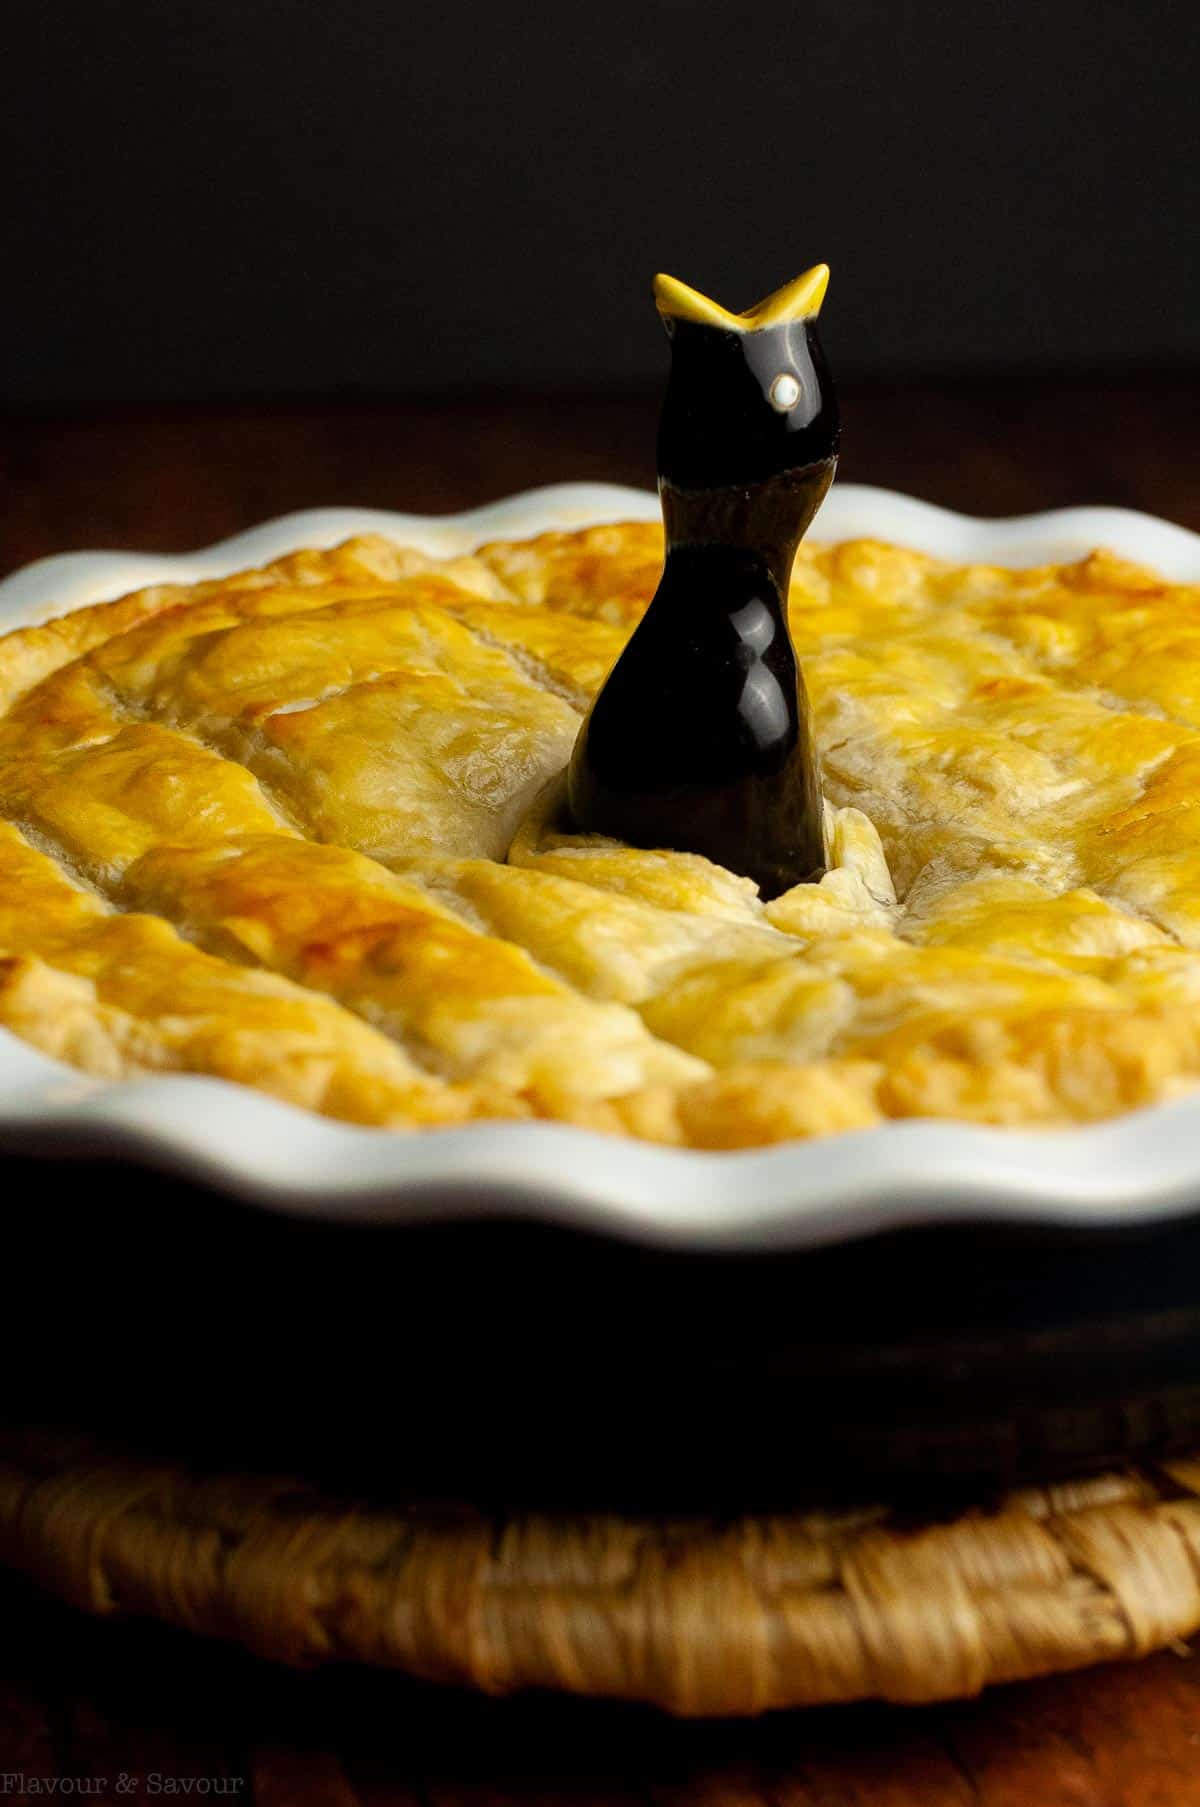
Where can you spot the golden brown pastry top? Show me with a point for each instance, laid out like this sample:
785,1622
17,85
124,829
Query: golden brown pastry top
297,828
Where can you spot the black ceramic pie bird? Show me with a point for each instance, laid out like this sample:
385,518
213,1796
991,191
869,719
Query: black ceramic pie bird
699,738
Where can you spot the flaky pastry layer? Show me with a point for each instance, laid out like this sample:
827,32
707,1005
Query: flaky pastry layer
300,828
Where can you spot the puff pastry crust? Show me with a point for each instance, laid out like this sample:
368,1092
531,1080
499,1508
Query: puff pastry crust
299,828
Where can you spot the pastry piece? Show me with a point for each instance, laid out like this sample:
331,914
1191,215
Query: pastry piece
121,994
301,828
608,573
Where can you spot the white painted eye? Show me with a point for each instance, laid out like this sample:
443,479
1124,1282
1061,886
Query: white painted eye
785,391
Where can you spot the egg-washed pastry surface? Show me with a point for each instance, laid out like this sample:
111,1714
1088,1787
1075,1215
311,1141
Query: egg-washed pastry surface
300,828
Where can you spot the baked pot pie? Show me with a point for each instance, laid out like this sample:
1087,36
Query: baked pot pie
302,828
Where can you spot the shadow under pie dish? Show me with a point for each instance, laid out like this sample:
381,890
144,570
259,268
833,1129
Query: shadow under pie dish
300,827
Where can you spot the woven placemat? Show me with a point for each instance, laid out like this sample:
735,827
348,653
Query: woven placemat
697,1615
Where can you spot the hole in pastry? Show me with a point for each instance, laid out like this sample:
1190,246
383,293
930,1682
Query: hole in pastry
547,818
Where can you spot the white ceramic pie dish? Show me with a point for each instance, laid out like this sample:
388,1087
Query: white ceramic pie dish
1136,1168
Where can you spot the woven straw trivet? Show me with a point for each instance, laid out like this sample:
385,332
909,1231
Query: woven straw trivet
699,1616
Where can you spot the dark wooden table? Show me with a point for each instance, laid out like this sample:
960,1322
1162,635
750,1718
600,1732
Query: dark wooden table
147,1711
170,481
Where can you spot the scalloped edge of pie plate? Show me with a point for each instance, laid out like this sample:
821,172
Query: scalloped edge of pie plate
1139,1168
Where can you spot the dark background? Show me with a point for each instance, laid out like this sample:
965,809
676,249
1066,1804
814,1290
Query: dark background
204,199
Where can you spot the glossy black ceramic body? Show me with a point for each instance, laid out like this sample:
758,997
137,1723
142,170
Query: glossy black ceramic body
700,737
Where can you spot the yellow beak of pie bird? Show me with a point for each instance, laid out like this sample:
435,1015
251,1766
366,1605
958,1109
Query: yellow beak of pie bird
700,737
